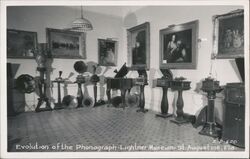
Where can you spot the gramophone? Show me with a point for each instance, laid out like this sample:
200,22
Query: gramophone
211,87
95,79
80,67
25,83
124,85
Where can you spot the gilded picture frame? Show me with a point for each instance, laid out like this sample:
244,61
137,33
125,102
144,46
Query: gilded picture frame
66,44
228,36
107,52
178,46
20,43
138,40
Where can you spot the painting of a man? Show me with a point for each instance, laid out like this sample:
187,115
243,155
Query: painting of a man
139,50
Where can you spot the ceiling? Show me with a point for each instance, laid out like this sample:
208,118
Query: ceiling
117,11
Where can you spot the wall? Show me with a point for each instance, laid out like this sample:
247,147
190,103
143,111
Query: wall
224,70
39,18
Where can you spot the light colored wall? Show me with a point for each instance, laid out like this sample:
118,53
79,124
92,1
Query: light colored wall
224,70
37,19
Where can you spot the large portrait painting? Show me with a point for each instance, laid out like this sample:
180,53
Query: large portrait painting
66,44
178,46
107,52
20,44
229,35
139,46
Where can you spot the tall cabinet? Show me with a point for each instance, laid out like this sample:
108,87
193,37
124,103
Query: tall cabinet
234,114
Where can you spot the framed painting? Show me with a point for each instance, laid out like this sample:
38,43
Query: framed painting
138,39
21,43
228,39
66,44
178,46
107,52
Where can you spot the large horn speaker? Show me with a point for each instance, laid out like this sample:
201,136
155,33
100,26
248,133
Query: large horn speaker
69,101
87,100
25,83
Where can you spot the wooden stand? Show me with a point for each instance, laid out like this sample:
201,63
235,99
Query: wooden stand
79,80
123,84
211,87
164,104
142,100
180,86
95,79
165,83
42,86
59,80
142,75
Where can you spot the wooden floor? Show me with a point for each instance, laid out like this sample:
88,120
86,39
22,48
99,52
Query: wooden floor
104,129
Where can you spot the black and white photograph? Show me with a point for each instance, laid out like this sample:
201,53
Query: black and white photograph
124,79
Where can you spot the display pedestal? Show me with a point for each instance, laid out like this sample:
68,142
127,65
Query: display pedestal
211,87
95,79
180,86
142,81
79,80
164,104
59,80
165,83
42,86
142,100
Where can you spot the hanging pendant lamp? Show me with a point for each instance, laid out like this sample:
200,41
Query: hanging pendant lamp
81,24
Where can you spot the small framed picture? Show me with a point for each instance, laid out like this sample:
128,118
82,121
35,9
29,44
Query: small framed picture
20,44
66,44
107,52
178,46
228,39
138,39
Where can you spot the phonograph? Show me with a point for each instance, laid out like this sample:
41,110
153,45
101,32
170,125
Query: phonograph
211,87
125,84
40,56
82,100
95,79
25,83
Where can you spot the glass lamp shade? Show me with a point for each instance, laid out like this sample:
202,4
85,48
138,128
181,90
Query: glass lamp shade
81,25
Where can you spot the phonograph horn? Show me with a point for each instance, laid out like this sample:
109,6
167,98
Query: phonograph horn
115,101
132,100
25,83
87,101
80,67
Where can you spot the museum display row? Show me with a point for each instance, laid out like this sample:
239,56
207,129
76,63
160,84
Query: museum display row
178,50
